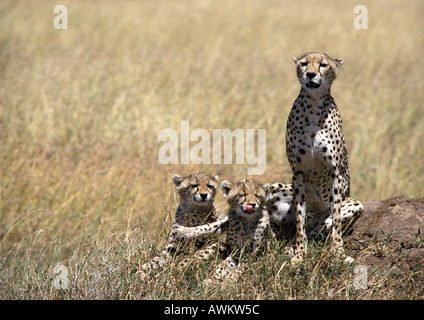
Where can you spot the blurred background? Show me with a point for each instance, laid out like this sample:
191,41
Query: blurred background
81,109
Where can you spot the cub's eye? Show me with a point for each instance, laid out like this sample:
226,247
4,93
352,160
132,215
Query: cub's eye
303,63
241,194
323,65
210,186
194,185
259,196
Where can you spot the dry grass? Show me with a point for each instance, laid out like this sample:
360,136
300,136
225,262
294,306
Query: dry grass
81,110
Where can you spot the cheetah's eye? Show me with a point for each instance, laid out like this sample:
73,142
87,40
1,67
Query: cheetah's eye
303,63
241,194
323,65
194,185
210,186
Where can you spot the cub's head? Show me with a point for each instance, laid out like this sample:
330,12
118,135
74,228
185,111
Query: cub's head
316,70
196,189
246,197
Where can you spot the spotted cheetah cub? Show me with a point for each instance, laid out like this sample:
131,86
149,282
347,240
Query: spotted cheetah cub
248,222
196,224
316,150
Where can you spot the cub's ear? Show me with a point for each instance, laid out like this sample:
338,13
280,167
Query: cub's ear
295,59
216,178
226,187
266,188
177,180
339,62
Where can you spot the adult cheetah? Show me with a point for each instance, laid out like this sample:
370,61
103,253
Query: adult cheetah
317,152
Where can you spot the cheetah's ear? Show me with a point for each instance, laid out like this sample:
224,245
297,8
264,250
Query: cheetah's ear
177,180
266,188
339,62
295,59
226,187
216,178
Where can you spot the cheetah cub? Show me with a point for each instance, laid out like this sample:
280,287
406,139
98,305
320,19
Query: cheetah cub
197,222
317,152
248,223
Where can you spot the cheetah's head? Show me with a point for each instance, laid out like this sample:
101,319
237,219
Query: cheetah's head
316,70
246,197
196,189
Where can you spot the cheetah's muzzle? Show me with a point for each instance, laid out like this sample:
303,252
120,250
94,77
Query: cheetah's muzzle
313,85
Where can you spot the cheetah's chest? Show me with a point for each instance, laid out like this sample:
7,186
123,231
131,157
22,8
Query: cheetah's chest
310,150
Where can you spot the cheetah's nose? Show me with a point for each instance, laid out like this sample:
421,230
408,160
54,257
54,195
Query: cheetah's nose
203,195
311,75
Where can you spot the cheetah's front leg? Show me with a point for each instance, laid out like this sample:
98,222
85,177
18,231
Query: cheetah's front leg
300,204
259,233
227,270
181,232
204,254
336,205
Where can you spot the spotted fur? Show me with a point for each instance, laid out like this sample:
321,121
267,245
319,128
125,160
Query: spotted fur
281,209
196,224
316,150
248,222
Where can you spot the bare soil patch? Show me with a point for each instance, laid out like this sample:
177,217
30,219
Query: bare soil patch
389,239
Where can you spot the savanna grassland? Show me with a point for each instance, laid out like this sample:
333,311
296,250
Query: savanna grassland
81,110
